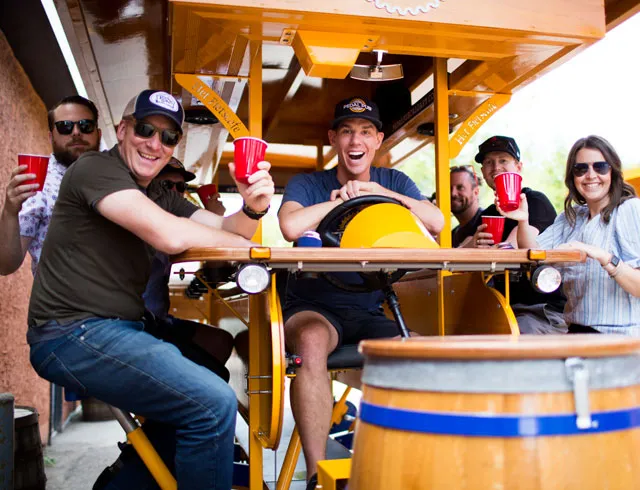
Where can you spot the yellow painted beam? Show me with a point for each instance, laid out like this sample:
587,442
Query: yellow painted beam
443,181
256,303
213,102
255,104
327,55
632,176
475,121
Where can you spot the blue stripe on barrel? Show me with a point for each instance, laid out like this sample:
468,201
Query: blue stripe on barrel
487,425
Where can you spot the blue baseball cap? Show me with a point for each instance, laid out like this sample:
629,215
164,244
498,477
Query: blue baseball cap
155,102
356,107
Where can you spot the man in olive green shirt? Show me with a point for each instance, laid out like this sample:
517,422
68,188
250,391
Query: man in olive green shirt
85,327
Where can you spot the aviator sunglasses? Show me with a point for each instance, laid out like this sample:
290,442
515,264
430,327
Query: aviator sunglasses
86,126
601,168
170,184
168,137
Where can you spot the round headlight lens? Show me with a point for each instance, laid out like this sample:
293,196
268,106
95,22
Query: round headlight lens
546,279
253,278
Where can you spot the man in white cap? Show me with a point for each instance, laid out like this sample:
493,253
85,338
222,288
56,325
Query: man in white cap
85,327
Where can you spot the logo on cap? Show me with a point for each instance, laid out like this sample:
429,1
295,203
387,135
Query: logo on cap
164,100
357,105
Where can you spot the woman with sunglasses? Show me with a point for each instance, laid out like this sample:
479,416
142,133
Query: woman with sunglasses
602,218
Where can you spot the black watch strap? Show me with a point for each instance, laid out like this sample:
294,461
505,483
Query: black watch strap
253,214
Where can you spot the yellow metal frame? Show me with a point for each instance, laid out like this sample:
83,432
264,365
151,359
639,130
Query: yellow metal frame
331,471
443,180
295,445
278,368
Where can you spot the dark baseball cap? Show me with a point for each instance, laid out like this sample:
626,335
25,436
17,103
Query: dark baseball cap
498,143
176,165
356,107
155,102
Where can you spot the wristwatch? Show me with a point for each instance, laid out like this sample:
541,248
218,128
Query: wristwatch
253,214
614,260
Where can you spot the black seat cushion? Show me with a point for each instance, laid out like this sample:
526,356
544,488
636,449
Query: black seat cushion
345,357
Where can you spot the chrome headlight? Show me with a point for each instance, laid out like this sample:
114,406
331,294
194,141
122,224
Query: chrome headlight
253,278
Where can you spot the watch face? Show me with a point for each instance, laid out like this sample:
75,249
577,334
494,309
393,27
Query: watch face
614,260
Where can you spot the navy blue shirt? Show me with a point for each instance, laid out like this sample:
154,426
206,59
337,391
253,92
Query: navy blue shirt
315,188
156,295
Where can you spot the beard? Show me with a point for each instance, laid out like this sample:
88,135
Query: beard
460,206
66,156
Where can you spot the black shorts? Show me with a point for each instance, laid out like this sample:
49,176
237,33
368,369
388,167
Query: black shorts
352,325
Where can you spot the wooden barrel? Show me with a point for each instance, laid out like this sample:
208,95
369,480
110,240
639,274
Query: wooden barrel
499,412
29,461
6,440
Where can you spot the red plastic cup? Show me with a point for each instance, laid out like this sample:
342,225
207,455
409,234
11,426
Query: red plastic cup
495,226
248,151
206,191
36,164
508,188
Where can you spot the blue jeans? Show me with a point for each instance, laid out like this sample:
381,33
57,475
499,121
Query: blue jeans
117,362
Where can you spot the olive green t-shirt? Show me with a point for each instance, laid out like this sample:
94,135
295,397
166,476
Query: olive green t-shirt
90,266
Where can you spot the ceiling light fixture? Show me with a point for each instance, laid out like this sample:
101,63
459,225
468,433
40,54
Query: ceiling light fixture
377,72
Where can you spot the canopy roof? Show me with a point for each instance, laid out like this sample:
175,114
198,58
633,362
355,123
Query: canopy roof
308,48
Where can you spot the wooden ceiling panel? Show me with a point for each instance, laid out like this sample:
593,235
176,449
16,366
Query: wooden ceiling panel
510,43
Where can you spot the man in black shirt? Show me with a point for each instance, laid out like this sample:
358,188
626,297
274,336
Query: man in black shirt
536,312
465,188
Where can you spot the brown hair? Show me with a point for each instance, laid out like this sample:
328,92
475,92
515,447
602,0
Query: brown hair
476,181
72,99
619,191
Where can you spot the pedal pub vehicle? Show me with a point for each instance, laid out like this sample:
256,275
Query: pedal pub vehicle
438,70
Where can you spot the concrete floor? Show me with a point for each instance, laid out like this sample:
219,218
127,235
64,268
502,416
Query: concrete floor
78,455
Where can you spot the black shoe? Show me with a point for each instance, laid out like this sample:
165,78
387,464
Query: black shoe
110,472
313,482
106,476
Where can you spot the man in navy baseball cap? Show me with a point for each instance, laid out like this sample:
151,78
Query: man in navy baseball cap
318,316
155,103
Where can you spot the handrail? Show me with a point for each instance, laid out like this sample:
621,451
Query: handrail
358,257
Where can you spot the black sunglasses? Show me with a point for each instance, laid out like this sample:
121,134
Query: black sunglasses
86,126
168,137
580,169
170,184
